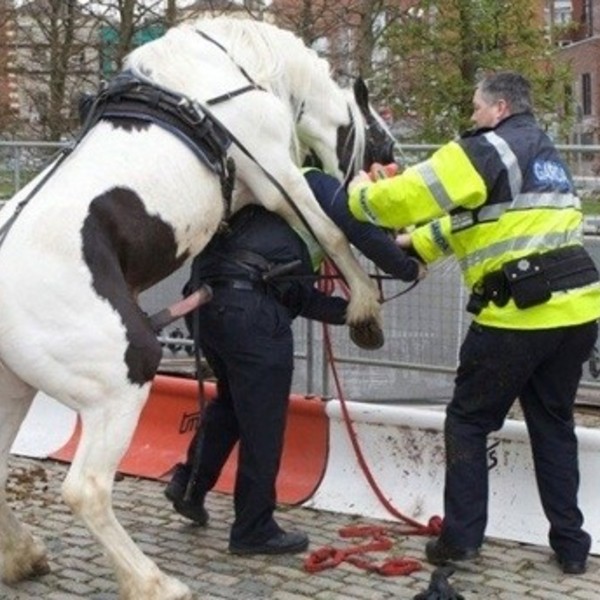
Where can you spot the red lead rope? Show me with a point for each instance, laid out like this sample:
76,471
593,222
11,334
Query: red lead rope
328,556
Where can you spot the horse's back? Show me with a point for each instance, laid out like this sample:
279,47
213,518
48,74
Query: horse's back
100,229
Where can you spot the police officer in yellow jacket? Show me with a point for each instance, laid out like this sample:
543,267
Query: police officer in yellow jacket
502,201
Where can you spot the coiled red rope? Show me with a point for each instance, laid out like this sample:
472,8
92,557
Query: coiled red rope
329,556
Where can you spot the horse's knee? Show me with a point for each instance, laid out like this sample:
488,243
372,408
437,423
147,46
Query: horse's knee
86,498
142,357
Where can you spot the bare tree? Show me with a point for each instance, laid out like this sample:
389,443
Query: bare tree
8,99
127,21
52,48
349,33
67,46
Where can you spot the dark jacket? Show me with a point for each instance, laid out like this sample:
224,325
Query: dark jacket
257,241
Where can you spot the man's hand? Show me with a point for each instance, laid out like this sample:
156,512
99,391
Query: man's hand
376,172
403,240
379,171
423,272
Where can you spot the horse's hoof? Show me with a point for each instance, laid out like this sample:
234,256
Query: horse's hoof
40,567
21,571
161,588
367,335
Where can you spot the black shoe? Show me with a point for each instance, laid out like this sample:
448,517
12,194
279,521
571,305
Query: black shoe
192,511
175,491
438,553
572,567
280,543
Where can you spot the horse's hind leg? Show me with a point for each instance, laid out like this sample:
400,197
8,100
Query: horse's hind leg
107,429
21,554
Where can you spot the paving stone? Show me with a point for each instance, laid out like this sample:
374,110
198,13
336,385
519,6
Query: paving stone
199,556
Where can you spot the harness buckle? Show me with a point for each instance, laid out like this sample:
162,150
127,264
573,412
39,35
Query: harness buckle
191,112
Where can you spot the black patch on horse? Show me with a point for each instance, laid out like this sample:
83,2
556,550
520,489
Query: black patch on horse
127,250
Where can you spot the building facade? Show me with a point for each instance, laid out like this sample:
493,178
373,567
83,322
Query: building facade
580,50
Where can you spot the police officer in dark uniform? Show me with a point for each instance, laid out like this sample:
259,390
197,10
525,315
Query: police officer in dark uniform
246,336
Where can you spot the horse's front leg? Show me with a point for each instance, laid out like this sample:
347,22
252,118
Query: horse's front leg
363,315
107,429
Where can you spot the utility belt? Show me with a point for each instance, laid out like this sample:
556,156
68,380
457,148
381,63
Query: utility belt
530,280
237,284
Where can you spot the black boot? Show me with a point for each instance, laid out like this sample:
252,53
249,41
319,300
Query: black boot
440,553
192,509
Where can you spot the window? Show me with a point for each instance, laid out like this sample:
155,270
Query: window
586,93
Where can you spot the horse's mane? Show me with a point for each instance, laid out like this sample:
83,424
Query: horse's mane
356,157
275,58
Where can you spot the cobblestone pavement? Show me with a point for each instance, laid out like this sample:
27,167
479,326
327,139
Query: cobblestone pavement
199,557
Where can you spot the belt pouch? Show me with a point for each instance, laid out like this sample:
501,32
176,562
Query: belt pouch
527,280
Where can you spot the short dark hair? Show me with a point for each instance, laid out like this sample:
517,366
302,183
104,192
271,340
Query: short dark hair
509,86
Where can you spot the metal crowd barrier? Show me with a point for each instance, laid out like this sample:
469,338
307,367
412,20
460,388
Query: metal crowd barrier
424,328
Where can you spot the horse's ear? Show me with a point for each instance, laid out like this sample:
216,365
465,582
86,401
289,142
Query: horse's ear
361,94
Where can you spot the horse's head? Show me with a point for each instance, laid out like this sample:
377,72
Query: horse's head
378,140
361,136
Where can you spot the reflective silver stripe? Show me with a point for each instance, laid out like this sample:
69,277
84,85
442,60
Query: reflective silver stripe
507,156
546,200
432,181
530,200
536,243
462,220
493,212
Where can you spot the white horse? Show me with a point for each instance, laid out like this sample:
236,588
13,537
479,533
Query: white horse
123,210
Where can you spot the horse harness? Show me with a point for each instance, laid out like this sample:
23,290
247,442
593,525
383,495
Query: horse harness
129,97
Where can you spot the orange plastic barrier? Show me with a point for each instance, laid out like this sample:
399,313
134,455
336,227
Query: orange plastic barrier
171,416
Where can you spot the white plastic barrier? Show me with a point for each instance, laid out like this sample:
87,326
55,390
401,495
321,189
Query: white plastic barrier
404,449
47,427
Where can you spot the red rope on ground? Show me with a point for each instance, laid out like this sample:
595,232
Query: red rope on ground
328,556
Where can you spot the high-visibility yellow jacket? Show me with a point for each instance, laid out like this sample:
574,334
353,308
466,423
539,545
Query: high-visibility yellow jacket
496,196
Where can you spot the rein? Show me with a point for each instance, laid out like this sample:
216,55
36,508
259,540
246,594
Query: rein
337,277
64,152
218,45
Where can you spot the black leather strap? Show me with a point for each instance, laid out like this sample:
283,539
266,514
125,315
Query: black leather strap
237,284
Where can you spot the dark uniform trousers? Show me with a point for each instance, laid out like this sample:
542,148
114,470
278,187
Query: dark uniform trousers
542,368
247,339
